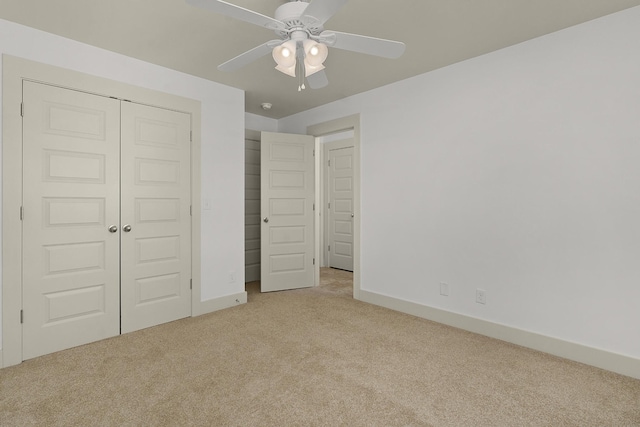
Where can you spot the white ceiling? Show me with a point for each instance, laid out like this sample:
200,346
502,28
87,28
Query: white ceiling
437,33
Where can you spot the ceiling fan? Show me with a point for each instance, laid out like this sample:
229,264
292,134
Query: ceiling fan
303,42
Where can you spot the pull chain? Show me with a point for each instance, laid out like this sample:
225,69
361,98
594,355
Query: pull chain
300,67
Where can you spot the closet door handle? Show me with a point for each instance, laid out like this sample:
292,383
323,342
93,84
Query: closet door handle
113,229
126,228
266,219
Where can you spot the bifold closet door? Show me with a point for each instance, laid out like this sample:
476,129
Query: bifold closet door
71,255
106,217
156,219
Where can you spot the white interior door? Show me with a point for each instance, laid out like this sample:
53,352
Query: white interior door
287,197
340,208
156,221
71,143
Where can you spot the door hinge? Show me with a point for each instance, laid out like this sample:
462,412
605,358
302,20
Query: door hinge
329,205
329,248
314,153
21,316
190,283
314,261
314,206
21,213
190,210
190,136
329,162
22,109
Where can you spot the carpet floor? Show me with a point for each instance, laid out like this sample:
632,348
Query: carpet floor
311,357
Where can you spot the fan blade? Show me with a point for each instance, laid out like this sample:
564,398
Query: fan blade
321,10
318,80
238,12
363,44
249,56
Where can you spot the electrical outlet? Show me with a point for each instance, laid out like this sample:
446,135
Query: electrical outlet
444,289
481,296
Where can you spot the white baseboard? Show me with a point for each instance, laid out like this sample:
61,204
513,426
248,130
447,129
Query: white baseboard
614,362
205,307
209,306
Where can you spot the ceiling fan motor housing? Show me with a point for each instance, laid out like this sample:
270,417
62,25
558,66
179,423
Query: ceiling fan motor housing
292,15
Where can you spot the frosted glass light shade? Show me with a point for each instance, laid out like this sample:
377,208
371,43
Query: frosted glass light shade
285,54
315,53
290,71
310,69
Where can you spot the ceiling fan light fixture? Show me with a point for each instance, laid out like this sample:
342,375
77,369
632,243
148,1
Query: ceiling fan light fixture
302,47
285,54
315,53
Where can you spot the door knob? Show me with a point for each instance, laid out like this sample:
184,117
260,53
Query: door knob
266,219
113,228
351,215
126,228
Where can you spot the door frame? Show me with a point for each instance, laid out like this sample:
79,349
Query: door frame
14,71
323,129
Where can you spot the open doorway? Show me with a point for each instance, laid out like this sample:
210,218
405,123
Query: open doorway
338,196
336,210
337,204
345,227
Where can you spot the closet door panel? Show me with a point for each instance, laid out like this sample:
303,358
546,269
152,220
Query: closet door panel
155,196
71,144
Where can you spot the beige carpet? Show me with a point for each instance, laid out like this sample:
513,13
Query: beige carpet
310,358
